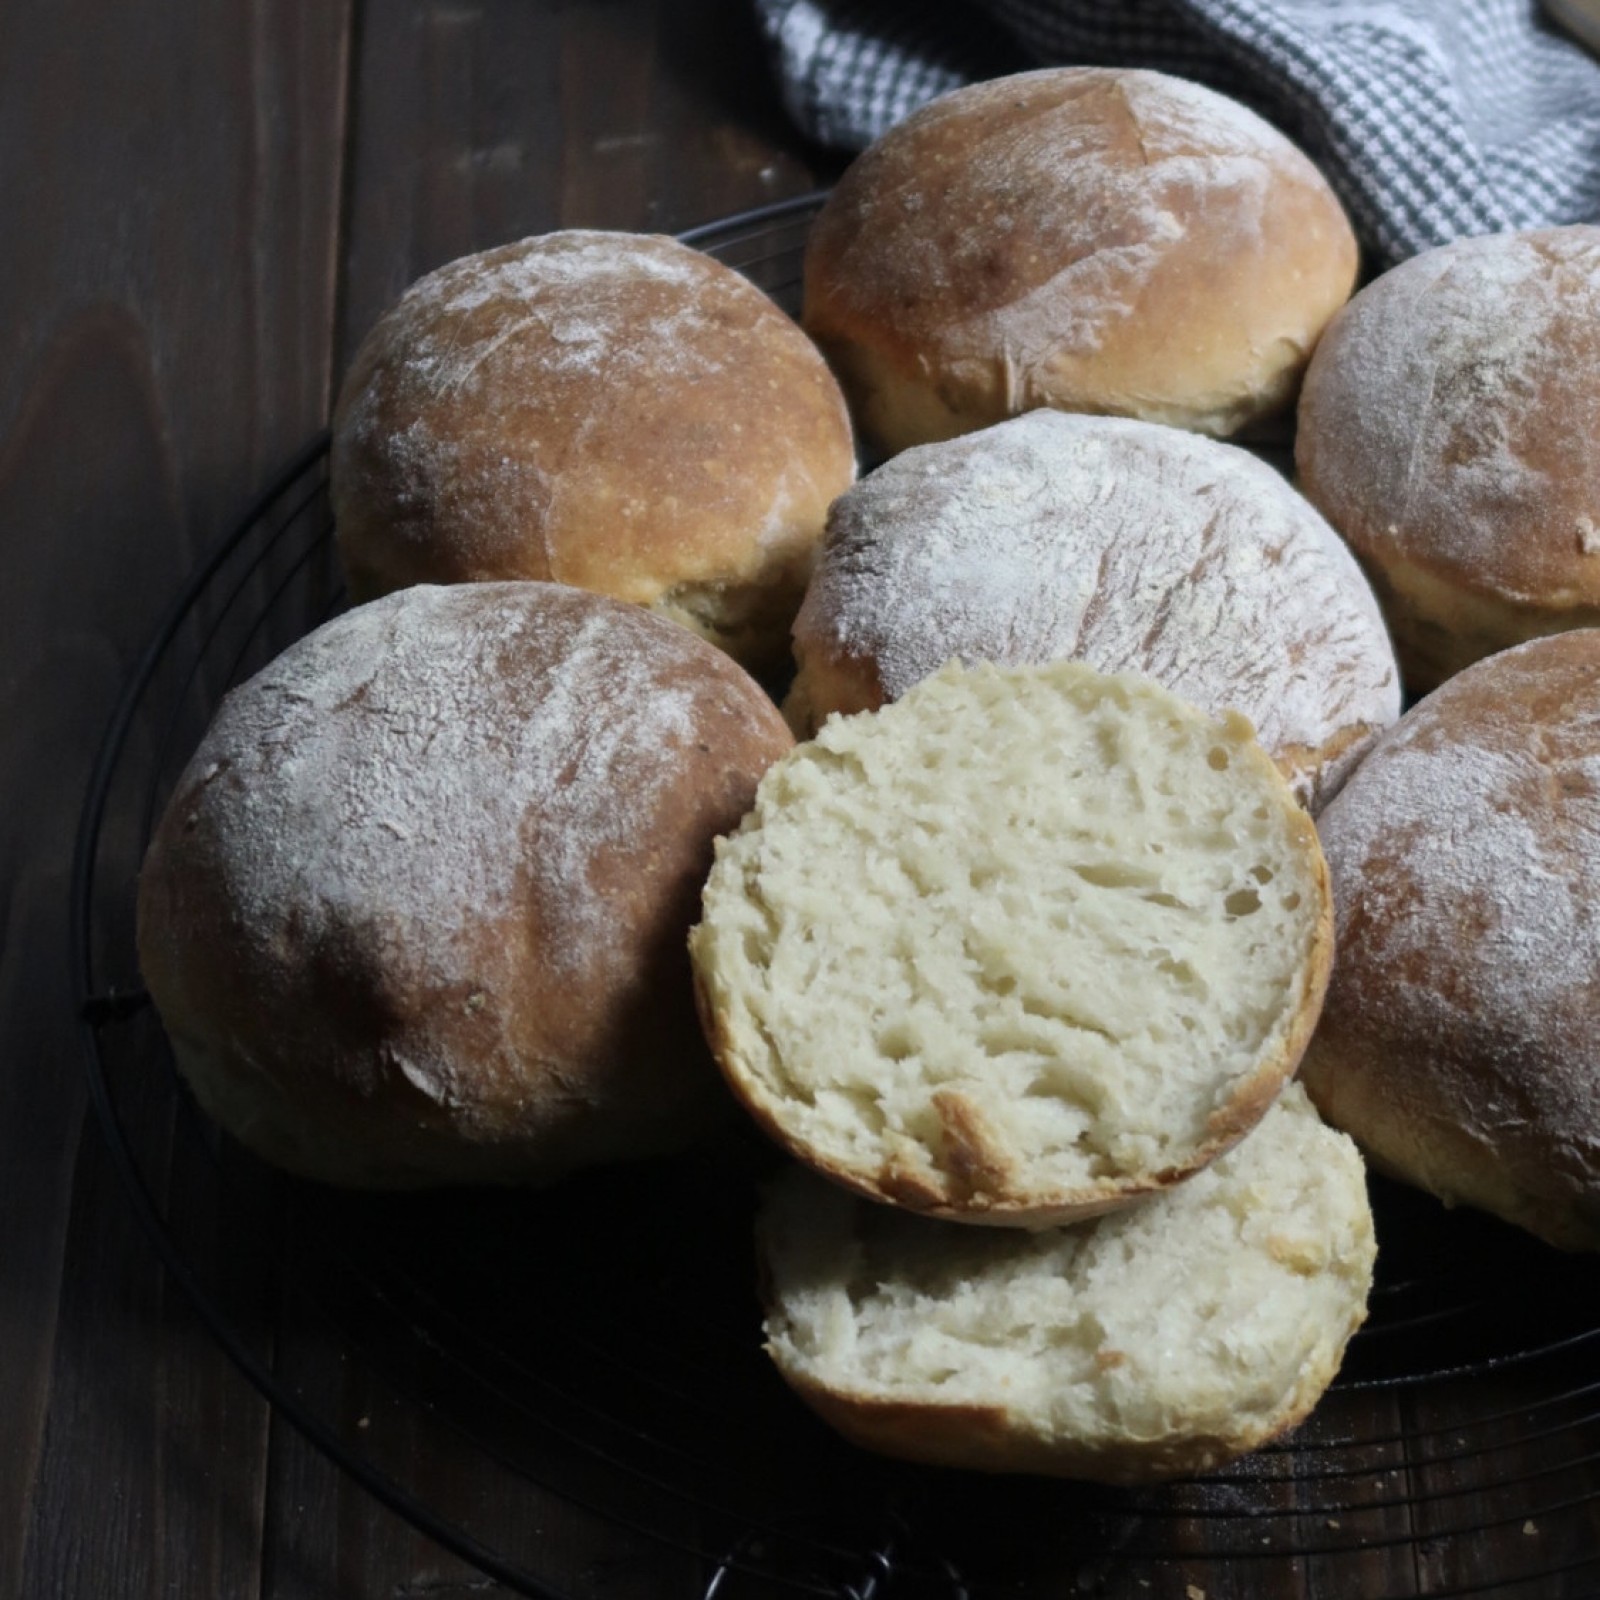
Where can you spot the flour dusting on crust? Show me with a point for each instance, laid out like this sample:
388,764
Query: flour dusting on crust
397,775
1449,416
1128,546
1465,857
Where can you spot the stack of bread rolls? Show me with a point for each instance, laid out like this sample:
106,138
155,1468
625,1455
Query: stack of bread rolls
1038,948
416,911
1017,954
1445,432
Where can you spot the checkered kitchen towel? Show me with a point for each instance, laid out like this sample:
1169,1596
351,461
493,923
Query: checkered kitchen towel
1433,118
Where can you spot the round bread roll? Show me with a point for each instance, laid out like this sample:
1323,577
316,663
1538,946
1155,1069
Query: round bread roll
1164,1340
1129,546
1447,431
1461,1041
1019,948
610,410
415,913
1084,238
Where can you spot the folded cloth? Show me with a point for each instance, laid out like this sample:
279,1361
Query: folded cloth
1433,119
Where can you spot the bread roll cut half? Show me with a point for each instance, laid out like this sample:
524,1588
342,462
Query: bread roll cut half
1163,1340
1024,945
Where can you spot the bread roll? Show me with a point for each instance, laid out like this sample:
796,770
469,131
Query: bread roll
1085,238
610,410
1164,1340
415,913
1461,1041
1132,547
1447,431
1025,945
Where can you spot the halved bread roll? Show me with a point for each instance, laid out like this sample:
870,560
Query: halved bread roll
1024,945
1163,1340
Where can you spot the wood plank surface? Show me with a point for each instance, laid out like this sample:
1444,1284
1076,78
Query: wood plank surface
479,123
203,209
168,181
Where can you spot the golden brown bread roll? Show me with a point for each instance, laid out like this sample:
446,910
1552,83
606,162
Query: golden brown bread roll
1132,547
1086,238
416,911
1447,430
1461,1039
615,411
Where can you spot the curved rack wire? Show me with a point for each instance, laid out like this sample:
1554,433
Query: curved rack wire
597,1345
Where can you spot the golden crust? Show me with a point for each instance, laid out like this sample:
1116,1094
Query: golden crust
1115,542
991,1438
353,1029
1444,430
1457,1043
613,411
1049,239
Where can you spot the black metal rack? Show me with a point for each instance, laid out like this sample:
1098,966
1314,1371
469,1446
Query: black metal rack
600,1343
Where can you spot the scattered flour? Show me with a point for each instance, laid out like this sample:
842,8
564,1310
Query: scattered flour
1465,858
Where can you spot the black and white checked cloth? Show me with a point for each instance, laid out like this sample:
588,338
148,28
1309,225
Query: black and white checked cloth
1433,119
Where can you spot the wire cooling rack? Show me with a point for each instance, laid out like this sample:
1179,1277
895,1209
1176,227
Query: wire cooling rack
598,1344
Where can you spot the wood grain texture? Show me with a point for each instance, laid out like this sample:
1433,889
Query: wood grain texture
481,121
168,186
202,210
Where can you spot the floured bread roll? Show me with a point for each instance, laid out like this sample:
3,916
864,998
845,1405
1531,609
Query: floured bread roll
1461,1041
415,913
1022,946
611,410
1087,238
1129,546
1164,1340
1447,431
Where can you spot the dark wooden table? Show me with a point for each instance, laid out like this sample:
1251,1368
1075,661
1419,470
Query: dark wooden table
202,209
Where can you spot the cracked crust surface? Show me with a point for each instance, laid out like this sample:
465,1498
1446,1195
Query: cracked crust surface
609,410
415,912
1458,1044
1446,431
1126,545
1053,237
